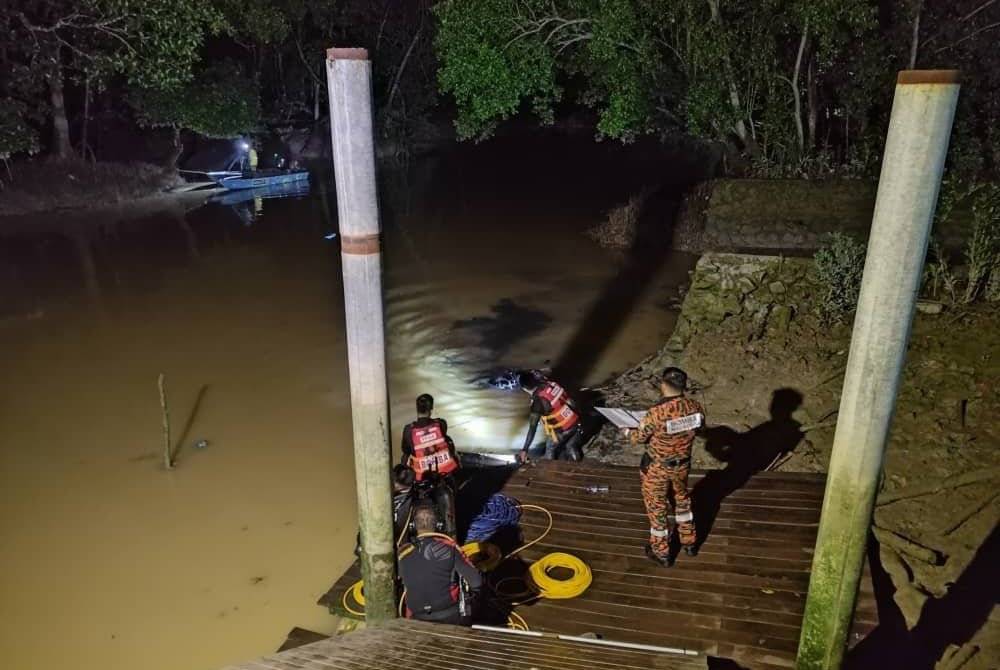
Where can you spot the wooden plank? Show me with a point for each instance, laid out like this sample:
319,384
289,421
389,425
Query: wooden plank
750,546
711,554
593,468
631,487
406,644
633,507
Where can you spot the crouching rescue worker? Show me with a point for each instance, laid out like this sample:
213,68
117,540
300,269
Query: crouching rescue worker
551,404
430,454
668,431
441,584
426,446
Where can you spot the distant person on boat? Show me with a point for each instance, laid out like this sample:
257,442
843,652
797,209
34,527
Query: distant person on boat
668,430
250,163
441,584
552,406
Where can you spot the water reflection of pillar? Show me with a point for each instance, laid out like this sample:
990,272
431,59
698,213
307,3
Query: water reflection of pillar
190,238
85,253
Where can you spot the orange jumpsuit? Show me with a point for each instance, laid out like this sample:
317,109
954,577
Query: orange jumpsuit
668,431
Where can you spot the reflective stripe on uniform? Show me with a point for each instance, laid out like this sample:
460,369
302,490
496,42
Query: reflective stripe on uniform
658,533
685,516
684,424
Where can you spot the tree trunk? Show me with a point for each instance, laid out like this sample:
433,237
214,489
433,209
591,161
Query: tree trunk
915,39
797,94
812,102
847,135
740,126
60,146
175,155
402,66
84,148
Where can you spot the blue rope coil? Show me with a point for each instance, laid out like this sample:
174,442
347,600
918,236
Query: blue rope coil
499,511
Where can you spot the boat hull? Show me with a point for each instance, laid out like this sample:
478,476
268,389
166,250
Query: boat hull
263,180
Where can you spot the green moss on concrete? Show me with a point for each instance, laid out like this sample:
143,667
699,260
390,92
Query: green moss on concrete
379,572
836,570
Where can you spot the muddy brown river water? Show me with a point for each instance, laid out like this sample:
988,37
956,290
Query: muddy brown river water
109,561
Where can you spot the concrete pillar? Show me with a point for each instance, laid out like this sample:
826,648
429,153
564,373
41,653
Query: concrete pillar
348,75
919,128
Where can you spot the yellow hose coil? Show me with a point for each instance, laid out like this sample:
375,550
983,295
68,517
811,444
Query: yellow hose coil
357,592
484,555
559,589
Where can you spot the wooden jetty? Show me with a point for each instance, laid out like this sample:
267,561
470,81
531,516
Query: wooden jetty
417,645
741,598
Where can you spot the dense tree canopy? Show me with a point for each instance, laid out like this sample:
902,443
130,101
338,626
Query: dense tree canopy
792,83
792,86
220,101
57,56
44,42
16,134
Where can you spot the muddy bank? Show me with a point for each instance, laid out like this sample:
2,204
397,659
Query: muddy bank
39,185
770,372
788,214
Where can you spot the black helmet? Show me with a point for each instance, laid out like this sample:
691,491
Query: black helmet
528,380
425,403
676,378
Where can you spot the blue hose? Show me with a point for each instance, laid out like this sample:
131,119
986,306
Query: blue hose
499,511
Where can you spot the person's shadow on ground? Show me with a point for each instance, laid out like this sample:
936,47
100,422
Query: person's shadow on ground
745,454
953,619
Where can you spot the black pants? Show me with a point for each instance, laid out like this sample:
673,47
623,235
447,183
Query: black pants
452,615
568,442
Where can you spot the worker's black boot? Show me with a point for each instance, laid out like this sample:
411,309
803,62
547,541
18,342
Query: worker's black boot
665,561
691,550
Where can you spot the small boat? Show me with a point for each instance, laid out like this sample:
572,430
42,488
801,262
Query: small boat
262,178
283,190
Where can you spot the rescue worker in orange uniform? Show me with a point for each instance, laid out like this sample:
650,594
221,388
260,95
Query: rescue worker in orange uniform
441,584
426,446
668,431
551,404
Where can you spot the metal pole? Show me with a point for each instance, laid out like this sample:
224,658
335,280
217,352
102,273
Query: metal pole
348,76
915,148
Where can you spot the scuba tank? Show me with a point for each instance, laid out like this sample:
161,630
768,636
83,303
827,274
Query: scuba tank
435,491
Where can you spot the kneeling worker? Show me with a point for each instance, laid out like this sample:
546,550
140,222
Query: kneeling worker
551,404
441,583
430,453
668,431
425,445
